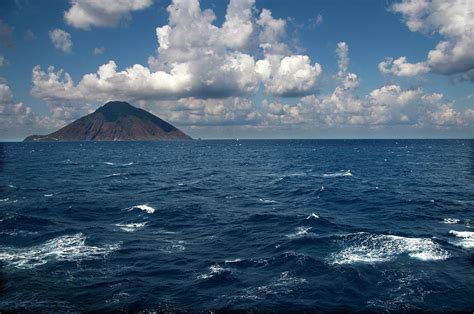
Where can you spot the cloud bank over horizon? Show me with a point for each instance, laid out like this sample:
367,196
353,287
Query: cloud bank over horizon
245,72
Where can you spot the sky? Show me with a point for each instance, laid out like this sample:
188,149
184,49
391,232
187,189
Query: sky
243,68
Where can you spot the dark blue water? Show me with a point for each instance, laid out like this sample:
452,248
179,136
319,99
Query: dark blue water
188,226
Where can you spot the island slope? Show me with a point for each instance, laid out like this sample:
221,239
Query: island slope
115,121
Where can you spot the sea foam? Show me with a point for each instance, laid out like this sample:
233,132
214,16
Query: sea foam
116,164
342,173
312,216
64,248
451,221
144,207
466,238
300,232
372,248
131,227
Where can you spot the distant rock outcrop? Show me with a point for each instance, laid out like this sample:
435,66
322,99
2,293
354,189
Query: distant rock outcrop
115,121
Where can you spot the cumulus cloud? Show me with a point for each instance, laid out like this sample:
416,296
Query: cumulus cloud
196,59
288,76
400,67
232,111
102,13
13,114
283,74
387,105
204,75
61,40
454,54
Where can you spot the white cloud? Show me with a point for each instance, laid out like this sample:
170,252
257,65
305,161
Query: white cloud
98,50
283,74
13,114
446,115
232,111
61,40
203,75
452,20
278,114
272,33
387,105
400,67
102,13
196,59
347,80
288,76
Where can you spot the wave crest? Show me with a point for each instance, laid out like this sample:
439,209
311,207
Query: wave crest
372,248
64,248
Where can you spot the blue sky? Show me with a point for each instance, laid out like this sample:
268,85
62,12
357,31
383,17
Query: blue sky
271,69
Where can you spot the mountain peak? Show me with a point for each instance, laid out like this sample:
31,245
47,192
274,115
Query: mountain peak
115,121
115,109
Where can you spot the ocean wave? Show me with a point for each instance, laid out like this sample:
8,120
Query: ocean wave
131,227
451,220
285,284
64,248
312,216
267,201
372,248
301,232
216,271
117,164
280,259
114,175
144,207
48,195
174,246
342,173
466,238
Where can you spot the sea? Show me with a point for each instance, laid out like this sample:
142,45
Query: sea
224,225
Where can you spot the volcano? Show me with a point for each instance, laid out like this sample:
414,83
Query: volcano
115,121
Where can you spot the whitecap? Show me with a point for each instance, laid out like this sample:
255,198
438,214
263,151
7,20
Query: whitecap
11,186
312,216
115,175
300,232
235,260
173,246
115,164
144,207
451,220
466,238
267,201
342,173
213,271
131,227
48,195
372,248
4,200
64,248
